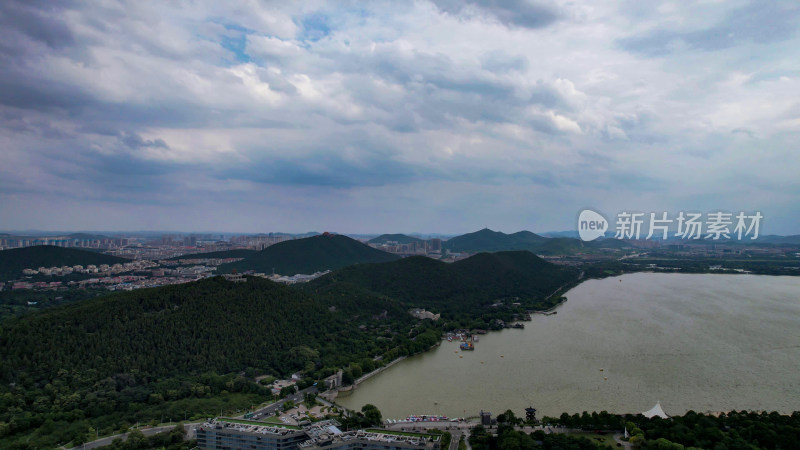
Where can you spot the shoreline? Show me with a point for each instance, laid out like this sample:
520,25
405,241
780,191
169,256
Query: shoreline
367,376
566,288
377,371
560,291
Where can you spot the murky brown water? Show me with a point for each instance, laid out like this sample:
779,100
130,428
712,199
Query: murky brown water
701,342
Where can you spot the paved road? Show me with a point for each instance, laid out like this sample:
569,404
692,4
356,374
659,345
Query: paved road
296,398
455,440
189,427
625,444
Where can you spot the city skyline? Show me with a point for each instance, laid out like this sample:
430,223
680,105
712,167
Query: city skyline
432,116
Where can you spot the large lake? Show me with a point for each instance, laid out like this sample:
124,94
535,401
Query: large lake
700,342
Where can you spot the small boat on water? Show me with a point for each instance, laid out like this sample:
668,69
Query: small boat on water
518,325
467,346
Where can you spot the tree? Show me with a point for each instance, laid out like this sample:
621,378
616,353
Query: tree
356,370
347,377
508,418
372,415
136,440
287,391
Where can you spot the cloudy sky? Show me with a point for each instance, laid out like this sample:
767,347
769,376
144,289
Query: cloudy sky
432,116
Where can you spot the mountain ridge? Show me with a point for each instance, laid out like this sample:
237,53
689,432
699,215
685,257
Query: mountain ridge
487,240
396,237
222,254
459,290
309,255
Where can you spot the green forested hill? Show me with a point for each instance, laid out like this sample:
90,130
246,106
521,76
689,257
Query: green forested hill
124,358
208,325
12,261
236,253
559,246
399,238
309,255
464,289
487,240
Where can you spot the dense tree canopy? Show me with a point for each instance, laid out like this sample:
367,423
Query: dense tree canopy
124,358
463,291
740,429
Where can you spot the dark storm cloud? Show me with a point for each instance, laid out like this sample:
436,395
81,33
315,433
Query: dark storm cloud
135,141
758,23
521,13
327,170
40,21
29,91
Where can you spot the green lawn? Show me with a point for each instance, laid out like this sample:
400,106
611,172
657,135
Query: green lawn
272,419
607,439
256,422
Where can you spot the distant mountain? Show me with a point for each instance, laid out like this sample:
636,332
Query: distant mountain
86,236
399,238
569,233
487,240
461,289
12,261
559,246
309,255
774,239
236,253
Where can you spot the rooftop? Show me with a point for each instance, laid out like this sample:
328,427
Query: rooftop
374,435
250,426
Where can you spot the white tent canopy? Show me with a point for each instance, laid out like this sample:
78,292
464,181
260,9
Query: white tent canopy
656,411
